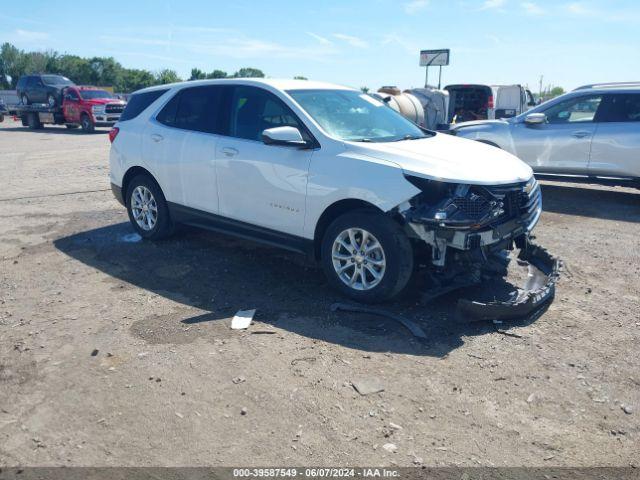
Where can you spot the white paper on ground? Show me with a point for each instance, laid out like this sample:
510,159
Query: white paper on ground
242,319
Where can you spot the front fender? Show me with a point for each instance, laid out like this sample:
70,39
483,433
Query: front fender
352,176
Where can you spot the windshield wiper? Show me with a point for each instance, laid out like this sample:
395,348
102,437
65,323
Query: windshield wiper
411,137
361,140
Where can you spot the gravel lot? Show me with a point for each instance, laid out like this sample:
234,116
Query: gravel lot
168,379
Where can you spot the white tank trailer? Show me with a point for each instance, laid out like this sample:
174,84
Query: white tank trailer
426,107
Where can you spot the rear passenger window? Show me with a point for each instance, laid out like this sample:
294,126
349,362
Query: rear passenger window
622,108
198,109
253,110
139,102
167,115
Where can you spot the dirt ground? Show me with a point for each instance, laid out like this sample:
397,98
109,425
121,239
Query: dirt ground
117,352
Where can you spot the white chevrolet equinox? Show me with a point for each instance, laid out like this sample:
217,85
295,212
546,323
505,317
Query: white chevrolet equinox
320,169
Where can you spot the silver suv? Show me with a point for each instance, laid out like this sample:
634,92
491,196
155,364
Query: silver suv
591,133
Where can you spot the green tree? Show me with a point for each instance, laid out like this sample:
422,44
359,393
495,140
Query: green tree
197,74
217,74
134,79
167,76
364,89
249,72
556,91
12,65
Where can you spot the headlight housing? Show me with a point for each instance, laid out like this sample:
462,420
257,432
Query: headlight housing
452,205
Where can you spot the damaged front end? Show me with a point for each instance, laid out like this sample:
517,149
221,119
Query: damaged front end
463,233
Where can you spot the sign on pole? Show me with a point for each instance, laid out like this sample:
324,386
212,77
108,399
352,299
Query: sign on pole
434,58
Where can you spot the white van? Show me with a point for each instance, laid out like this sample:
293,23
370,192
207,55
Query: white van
469,102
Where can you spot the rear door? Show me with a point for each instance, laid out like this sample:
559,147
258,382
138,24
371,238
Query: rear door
616,145
181,142
563,144
36,90
508,101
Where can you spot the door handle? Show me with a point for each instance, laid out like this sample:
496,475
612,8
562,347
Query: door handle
157,138
581,134
229,152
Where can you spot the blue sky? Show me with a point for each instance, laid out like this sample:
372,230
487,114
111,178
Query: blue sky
357,43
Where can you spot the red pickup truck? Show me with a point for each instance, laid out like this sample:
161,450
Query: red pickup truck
86,107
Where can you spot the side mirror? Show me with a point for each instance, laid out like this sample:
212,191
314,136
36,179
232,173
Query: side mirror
284,136
535,119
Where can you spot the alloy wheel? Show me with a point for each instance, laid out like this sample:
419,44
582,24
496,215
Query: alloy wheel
358,259
144,208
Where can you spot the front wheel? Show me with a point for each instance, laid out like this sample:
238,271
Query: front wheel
24,100
147,208
51,101
367,256
86,124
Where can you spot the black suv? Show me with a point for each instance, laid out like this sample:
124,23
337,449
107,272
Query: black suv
42,89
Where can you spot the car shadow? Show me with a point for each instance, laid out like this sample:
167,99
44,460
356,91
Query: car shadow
221,275
577,200
57,130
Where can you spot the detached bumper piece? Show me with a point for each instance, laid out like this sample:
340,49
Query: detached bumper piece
539,289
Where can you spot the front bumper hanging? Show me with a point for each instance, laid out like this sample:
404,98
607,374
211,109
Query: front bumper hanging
539,289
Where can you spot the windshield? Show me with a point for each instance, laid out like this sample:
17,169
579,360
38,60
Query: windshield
56,80
354,116
89,94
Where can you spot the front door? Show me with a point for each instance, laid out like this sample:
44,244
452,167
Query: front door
563,143
71,106
264,185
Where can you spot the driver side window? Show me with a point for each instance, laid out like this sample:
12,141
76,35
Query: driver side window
254,110
574,110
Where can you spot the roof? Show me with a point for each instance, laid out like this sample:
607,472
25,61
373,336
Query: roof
603,86
279,84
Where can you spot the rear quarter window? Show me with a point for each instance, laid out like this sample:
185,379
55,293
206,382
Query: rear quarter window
139,102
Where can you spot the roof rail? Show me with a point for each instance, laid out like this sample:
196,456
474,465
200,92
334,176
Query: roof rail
609,85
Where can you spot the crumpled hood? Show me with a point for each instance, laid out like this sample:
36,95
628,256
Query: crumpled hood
448,158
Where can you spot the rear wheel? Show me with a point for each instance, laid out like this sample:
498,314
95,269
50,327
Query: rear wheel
24,100
51,101
86,124
367,256
147,208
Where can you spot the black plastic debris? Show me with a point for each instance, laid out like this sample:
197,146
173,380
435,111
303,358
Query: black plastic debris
540,287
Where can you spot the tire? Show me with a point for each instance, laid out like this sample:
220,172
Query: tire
24,100
163,226
1,118
86,124
393,261
33,121
51,101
